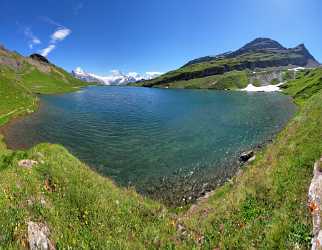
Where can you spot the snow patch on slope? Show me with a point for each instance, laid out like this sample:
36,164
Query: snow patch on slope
267,88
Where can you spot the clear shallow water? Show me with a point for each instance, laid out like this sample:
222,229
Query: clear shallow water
164,142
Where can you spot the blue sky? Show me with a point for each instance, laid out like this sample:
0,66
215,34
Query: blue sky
152,35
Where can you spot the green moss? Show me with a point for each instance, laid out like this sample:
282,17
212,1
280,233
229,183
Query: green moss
275,81
257,83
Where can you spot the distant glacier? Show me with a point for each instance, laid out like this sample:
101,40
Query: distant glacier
115,78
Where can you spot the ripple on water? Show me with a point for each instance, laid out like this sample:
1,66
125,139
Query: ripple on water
167,143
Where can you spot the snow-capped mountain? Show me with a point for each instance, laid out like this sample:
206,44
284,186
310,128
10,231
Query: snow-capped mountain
115,78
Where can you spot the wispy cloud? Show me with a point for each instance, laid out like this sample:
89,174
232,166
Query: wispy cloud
152,75
59,35
32,39
44,52
78,7
50,21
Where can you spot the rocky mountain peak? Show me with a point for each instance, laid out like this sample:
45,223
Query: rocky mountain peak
302,50
298,56
258,45
263,43
39,58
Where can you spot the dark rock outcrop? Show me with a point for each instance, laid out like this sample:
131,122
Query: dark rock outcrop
39,58
246,156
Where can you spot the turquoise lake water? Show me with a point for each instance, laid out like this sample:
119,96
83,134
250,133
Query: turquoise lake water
169,144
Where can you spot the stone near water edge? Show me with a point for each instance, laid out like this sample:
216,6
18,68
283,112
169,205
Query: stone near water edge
27,163
314,204
38,237
246,156
253,158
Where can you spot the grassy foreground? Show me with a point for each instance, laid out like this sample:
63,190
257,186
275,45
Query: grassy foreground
264,206
82,209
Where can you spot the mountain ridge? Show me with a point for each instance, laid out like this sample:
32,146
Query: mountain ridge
116,78
259,54
259,45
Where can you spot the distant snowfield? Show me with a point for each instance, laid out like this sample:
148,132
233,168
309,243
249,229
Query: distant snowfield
115,78
267,88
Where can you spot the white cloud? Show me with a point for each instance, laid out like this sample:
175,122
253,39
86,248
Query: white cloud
151,75
50,21
116,72
46,51
134,74
32,39
35,40
60,34
79,70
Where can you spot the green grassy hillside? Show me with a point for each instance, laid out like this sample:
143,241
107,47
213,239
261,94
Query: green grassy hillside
34,75
21,78
14,100
215,67
264,206
222,71
231,80
308,83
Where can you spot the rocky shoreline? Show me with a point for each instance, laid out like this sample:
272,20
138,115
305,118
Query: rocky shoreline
184,188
